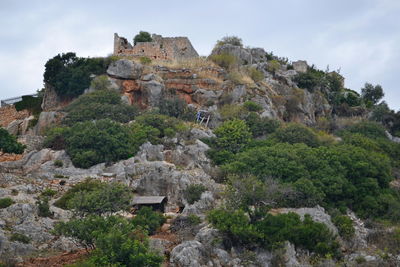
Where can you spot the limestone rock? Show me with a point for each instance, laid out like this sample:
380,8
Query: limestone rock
125,69
188,254
152,92
14,127
300,66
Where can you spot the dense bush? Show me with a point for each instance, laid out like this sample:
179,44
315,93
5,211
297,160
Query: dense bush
20,238
55,138
44,207
102,104
9,144
5,202
272,230
30,103
226,61
261,126
96,197
232,40
100,83
174,107
344,225
273,66
193,192
310,80
142,36
162,123
368,129
252,106
148,220
344,175
294,133
92,142
232,135
114,239
69,75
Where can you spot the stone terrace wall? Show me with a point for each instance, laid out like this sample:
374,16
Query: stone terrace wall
163,48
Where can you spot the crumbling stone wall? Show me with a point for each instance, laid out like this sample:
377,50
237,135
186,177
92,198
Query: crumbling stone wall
9,114
163,48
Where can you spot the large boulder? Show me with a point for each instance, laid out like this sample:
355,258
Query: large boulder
152,92
300,66
46,120
125,69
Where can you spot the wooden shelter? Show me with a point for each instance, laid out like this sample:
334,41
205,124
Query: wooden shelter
157,203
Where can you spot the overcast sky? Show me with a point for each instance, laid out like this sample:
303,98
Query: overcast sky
359,37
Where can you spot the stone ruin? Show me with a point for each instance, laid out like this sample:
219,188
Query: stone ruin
162,48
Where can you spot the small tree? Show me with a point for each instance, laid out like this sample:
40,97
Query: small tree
9,144
372,94
142,37
232,135
233,40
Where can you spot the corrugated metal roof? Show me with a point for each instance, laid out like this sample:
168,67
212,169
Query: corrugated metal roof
148,200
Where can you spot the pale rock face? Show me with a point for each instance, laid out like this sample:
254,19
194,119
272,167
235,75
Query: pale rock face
125,69
300,66
152,91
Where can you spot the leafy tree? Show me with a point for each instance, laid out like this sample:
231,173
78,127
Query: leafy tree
372,94
232,135
92,142
69,75
311,79
148,219
173,107
142,37
9,144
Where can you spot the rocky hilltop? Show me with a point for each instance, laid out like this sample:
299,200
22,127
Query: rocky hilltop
258,161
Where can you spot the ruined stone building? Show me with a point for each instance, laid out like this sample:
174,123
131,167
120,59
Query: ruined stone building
164,48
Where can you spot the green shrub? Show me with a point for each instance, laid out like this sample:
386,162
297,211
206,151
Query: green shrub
311,79
142,36
366,128
92,142
344,225
252,106
20,238
193,192
232,135
273,66
58,163
232,40
49,193
229,112
69,75
44,207
94,197
145,60
161,123
347,175
226,61
148,219
261,126
55,138
102,104
296,133
255,74
5,202
273,230
194,219
30,103
173,107
100,83
9,144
